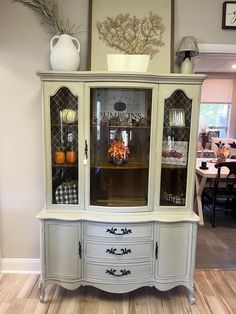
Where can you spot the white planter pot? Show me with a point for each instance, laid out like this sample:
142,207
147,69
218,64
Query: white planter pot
64,54
122,62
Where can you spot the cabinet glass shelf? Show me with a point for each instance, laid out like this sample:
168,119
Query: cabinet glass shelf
128,165
64,125
123,126
174,166
66,165
119,202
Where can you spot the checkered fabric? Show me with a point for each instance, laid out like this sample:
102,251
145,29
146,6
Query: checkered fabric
67,193
179,200
167,197
176,200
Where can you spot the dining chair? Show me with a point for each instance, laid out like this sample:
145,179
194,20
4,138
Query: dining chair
222,195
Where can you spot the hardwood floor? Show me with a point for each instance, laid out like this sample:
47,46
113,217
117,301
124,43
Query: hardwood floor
215,293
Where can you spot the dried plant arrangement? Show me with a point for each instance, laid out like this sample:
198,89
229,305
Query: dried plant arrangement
118,150
132,35
49,14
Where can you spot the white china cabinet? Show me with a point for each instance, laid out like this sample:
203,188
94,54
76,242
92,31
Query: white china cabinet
120,156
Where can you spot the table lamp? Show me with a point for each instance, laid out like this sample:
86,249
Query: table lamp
188,48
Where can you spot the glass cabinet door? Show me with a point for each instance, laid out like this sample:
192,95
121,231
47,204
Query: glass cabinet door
120,124
175,146
64,147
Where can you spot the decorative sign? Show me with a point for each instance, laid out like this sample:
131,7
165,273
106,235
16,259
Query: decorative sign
175,153
117,103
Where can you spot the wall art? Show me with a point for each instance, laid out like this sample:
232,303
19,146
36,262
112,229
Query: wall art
229,15
131,27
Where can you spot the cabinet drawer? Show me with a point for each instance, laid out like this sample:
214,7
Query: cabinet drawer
118,251
115,272
119,230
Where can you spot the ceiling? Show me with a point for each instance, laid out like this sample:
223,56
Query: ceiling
215,63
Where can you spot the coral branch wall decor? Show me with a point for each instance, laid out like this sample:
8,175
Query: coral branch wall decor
132,35
132,27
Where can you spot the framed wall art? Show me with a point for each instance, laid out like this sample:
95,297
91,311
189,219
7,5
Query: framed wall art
229,15
131,27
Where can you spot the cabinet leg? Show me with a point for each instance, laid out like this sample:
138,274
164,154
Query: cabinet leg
192,299
42,291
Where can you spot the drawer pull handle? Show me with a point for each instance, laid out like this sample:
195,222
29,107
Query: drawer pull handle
124,231
123,251
123,272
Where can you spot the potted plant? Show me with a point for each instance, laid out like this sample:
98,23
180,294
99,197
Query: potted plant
137,38
65,49
118,151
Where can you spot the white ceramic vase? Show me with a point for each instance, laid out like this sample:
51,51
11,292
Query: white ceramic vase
123,62
65,53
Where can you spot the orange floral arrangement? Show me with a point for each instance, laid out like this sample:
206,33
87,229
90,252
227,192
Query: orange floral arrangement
223,152
118,150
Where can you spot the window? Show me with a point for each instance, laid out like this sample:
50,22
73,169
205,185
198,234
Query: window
215,117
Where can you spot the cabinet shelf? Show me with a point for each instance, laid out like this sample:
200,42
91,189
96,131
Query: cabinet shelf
173,166
66,165
124,126
128,165
178,127
127,201
56,125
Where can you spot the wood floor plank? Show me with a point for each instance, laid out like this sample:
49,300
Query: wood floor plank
215,294
68,302
28,285
30,306
201,305
218,306
4,307
154,302
138,301
16,307
10,286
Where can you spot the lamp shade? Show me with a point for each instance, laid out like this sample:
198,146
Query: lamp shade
188,46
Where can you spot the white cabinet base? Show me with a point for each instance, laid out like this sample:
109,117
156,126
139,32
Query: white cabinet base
118,257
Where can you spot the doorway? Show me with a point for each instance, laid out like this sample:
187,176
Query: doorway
216,247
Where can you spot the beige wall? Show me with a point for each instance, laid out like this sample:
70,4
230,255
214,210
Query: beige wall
221,90
202,19
217,90
232,127
24,49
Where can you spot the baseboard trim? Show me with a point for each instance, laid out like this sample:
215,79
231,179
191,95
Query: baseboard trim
20,265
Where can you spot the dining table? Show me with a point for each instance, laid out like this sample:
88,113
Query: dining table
202,178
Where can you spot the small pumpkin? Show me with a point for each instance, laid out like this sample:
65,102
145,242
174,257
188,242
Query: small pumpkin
59,157
71,156
69,116
119,106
